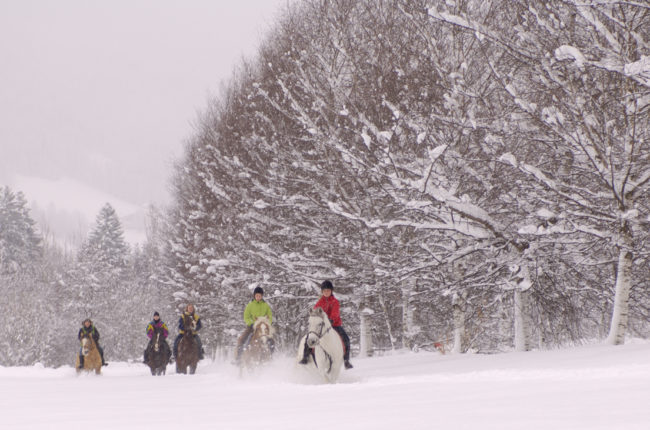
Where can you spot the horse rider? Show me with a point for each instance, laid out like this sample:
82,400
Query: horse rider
189,311
87,327
156,323
332,308
257,307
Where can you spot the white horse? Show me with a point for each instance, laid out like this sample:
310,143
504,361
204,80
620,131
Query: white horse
327,348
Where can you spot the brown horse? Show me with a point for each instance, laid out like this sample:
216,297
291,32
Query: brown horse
188,348
260,347
158,353
92,359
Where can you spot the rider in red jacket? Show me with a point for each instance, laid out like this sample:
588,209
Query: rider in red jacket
332,308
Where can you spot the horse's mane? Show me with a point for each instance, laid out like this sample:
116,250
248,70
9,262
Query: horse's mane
89,335
264,319
319,312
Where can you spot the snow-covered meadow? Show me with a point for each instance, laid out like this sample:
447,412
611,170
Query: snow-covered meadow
588,387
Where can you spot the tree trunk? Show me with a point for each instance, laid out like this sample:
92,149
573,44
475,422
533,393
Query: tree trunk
458,309
407,314
365,334
522,309
618,325
389,327
521,329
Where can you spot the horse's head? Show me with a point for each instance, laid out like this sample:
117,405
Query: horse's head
319,324
262,328
87,343
189,323
155,339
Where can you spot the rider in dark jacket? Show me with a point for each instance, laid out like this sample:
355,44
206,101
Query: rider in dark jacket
87,327
189,311
159,324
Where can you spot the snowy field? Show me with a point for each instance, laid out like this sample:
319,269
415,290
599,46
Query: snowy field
591,387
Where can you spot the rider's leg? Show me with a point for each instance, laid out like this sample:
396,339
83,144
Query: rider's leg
305,353
346,343
200,346
101,354
242,341
81,360
178,339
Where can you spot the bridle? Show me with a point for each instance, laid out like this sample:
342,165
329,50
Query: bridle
86,344
320,335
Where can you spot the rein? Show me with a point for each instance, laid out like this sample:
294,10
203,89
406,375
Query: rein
320,335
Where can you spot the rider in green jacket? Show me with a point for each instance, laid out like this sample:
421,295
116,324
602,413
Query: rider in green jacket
254,309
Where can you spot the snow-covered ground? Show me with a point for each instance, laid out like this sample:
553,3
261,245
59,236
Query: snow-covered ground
590,387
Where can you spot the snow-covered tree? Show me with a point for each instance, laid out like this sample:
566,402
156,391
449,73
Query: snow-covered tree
20,244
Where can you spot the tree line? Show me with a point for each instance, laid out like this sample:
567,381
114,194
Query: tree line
468,172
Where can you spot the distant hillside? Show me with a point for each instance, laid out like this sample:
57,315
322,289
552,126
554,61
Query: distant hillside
65,209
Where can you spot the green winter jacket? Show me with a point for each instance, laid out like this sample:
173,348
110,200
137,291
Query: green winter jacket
256,309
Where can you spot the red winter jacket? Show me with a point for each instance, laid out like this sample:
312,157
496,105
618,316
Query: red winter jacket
332,308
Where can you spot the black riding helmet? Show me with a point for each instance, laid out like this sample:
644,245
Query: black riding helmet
327,285
258,290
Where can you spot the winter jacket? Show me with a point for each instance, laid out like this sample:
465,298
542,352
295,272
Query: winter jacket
181,327
83,330
332,308
256,309
159,324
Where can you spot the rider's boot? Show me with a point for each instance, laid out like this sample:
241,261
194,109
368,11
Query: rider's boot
81,362
347,364
305,354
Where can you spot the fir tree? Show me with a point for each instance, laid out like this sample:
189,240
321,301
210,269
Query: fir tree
20,245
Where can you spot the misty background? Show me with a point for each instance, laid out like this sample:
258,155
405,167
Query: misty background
97,98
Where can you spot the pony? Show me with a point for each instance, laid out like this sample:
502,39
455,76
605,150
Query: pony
188,348
259,349
158,353
326,358
92,359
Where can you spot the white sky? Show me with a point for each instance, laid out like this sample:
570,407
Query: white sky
106,92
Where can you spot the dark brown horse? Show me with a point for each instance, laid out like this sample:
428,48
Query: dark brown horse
158,352
259,348
92,359
188,348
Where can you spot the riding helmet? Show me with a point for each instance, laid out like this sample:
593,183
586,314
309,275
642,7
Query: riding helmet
327,285
156,314
258,290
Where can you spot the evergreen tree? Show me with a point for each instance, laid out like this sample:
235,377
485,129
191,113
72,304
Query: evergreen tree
20,244
105,253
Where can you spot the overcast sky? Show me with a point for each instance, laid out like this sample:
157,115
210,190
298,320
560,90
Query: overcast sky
106,92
